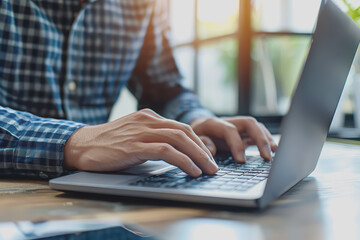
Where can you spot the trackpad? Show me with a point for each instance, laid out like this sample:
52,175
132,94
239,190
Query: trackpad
92,178
119,177
149,167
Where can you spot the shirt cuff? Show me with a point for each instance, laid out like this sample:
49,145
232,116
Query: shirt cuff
36,144
41,148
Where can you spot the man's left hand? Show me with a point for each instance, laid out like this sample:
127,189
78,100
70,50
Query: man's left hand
234,134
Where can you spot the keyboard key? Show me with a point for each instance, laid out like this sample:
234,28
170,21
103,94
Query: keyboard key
250,174
246,177
259,178
220,173
254,181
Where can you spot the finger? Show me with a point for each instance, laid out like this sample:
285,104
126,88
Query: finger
209,144
166,123
184,144
273,144
167,153
233,139
251,126
227,131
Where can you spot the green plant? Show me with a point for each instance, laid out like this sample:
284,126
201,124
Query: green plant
353,11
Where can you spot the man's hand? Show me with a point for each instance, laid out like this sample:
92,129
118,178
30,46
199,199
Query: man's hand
234,134
134,139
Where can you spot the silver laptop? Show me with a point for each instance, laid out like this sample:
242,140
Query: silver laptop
256,183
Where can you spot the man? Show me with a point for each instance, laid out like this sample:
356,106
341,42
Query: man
62,66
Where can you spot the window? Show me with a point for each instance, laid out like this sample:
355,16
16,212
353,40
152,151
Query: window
205,46
243,56
281,38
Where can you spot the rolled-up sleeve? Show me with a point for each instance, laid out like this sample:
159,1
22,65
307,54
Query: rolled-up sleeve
156,81
32,146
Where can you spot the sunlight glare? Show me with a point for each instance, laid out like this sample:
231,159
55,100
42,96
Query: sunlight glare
217,11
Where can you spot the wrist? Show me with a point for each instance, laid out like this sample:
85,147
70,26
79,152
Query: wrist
74,149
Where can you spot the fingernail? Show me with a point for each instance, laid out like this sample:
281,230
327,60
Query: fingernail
196,171
241,157
267,152
213,165
275,146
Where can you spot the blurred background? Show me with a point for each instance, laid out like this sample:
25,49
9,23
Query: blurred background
245,56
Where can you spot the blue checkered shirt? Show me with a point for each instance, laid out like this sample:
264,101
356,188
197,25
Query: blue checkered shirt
63,64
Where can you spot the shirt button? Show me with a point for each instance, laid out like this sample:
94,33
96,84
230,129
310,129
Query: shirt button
72,86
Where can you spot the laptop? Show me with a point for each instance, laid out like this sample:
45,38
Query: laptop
255,183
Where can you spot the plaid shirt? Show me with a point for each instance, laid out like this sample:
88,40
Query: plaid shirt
62,66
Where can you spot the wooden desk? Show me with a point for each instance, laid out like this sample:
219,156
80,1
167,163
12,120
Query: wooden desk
326,205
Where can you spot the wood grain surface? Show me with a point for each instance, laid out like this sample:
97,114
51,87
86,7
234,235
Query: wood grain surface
324,205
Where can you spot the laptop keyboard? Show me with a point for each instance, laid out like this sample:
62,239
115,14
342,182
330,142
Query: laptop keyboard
231,176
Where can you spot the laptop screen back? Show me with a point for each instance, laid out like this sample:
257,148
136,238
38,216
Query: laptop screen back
304,129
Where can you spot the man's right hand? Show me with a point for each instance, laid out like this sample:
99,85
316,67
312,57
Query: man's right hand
134,139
